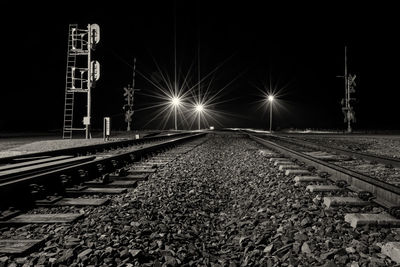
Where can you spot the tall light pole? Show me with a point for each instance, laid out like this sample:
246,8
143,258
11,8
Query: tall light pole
271,100
199,109
175,103
175,100
176,125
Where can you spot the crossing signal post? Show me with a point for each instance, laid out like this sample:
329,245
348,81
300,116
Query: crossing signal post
349,85
128,106
129,94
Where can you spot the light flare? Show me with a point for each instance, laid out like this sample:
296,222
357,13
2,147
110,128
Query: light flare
199,107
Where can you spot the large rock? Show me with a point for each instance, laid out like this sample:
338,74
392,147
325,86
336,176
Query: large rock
392,250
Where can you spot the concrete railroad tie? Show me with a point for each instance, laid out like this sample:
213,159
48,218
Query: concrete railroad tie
297,172
344,201
283,162
308,179
323,188
284,167
381,219
277,159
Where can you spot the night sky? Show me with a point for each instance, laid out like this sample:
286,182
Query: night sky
296,49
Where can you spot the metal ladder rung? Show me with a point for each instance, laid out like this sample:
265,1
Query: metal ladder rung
76,129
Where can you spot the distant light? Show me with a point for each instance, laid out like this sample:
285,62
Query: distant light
176,101
199,107
270,98
211,127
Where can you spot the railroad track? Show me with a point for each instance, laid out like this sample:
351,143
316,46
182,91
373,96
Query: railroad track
311,166
16,171
390,161
376,167
89,149
21,166
84,183
366,203
56,172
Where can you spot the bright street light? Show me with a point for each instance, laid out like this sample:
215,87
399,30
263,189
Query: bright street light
270,98
175,101
199,107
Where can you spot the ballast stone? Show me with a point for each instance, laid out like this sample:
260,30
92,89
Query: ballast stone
392,250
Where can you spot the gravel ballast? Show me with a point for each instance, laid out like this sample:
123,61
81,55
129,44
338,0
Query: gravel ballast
221,204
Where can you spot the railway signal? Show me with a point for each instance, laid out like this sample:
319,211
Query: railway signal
95,72
82,73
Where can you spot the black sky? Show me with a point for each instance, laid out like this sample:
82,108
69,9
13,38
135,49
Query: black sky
299,46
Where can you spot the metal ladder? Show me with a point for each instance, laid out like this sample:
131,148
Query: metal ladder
69,87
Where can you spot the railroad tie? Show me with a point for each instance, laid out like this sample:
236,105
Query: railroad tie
381,219
344,201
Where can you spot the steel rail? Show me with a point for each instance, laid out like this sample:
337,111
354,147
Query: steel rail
13,174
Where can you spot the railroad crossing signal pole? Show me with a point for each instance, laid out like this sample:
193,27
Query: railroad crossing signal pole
128,106
129,97
349,87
